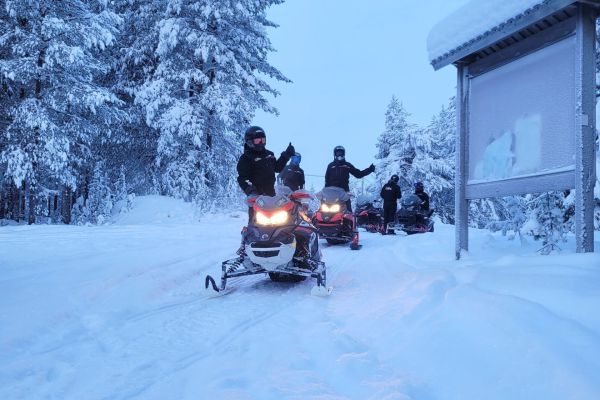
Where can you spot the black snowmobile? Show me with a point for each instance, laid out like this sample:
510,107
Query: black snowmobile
411,218
369,217
279,241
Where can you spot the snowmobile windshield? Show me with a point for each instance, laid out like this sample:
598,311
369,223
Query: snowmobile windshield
333,194
282,190
411,202
268,203
365,200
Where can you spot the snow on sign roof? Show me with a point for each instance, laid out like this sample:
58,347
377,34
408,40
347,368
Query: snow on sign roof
478,19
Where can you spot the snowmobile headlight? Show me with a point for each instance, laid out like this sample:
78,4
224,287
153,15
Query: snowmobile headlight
279,218
332,208
262,219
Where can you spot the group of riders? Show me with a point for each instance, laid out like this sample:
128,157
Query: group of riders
257,168
281,238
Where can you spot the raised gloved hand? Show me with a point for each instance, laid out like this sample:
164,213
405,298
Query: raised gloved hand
371,168
290,151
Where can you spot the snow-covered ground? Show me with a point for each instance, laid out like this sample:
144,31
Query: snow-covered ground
119,312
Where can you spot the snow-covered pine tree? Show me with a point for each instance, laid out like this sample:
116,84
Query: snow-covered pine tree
100,199
547,219
410,152
207,84
122,196
514,218
443,132
133,62
398,130
55,108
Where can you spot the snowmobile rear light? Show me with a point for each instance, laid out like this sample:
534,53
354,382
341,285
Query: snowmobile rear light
333,208
277,218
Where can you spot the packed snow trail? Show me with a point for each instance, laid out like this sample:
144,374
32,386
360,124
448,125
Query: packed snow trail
120,312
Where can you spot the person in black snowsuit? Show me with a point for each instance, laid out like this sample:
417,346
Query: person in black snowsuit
338,172
390,193
256,169
420,192
257,166
292,175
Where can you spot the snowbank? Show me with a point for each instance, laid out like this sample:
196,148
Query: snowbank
473,20
149,210
119,312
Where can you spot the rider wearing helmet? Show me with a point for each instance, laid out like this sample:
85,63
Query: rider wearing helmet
338,172
390,193
292,175
420,192
257,166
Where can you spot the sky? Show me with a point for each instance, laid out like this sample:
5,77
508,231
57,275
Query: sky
346,59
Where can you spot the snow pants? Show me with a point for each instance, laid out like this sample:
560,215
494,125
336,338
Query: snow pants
389,214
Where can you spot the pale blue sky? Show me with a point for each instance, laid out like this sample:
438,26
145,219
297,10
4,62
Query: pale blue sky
346,59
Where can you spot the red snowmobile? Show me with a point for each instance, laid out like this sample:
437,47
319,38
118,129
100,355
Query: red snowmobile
335,223
369,217
279,241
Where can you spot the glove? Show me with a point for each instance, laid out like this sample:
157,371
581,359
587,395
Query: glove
250,190
371,168
290,151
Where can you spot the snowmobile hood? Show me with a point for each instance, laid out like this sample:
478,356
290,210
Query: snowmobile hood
268,203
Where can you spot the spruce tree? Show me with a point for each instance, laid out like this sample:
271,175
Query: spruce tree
204,89
416,154
54,109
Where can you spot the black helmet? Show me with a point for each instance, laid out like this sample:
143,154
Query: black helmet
395,178
252,134
419,187
339,153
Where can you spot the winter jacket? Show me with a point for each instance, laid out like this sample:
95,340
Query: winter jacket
338,174
256,170
390,193
292,176
424,199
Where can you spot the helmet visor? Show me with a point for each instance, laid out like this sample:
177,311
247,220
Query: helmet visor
339,153
259,140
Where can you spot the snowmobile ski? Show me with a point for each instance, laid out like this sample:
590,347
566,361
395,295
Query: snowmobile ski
321,291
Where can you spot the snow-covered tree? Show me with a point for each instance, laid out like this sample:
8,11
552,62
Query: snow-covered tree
133,62
416,154
547,219
204,89
442,130
54,107
100,199
514,218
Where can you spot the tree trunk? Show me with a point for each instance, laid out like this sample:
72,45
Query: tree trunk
66,205
15,203
26,197
31,216
2,204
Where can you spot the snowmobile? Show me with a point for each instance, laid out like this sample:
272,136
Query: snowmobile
369,217
280,241
335,223
411,218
